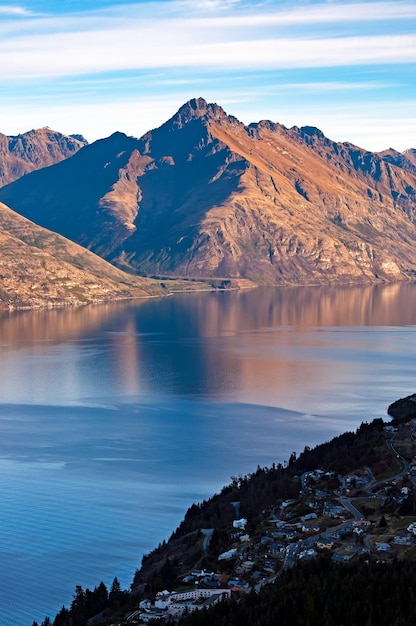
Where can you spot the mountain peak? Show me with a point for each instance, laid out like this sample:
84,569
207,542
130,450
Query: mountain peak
198,108
34,149
196,104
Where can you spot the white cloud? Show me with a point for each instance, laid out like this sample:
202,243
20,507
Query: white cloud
320,87
333,13
226,13
80,53
138,37
255,13
210,4
11,10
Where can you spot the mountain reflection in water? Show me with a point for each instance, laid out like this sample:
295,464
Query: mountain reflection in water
267,346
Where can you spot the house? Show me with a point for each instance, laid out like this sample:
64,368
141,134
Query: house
310,553
310,530
264,540
240,523
177,603
145,604
152,614
228,554
287,503
307,517
361,523
403,540
245,566
334,510
214,599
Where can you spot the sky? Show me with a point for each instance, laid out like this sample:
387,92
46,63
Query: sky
98,66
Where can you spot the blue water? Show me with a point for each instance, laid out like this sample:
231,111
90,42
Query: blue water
114,419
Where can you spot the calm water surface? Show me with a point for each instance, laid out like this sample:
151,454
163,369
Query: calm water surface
114,419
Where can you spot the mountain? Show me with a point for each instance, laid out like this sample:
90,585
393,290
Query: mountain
33,150
40,268
206,196
411,155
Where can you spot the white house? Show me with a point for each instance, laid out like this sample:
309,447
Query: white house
240,523
228,554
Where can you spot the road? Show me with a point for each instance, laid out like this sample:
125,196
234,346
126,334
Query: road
347,504
290,555
207,532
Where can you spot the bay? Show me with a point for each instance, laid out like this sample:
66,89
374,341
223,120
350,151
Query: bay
114,419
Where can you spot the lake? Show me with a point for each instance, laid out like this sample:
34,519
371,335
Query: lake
115,418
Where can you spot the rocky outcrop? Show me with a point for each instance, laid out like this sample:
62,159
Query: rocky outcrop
205,196
403,409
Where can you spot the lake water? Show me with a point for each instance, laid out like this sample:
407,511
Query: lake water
114,419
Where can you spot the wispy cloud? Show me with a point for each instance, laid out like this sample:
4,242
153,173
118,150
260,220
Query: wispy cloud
88,53
12,10
246,14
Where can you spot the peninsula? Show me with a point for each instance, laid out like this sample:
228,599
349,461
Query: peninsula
344,510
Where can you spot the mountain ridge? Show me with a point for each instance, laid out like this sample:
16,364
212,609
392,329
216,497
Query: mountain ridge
205,196
34,149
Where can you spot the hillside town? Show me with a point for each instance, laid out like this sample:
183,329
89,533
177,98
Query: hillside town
346,517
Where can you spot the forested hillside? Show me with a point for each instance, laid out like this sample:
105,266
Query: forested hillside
322,593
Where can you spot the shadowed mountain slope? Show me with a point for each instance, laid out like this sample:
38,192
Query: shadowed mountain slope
206,196
33,150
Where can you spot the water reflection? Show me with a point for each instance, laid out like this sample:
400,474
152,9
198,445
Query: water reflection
219,314
261,346
264,346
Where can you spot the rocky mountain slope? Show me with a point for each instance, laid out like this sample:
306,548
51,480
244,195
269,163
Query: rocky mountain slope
33,150
206,196
40,268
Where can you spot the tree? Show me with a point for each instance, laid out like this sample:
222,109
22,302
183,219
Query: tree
78,605
62,618
116,594
382,523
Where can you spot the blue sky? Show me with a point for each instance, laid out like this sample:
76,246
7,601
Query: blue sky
97,66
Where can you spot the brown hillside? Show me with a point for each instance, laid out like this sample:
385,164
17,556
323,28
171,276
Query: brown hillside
39,268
